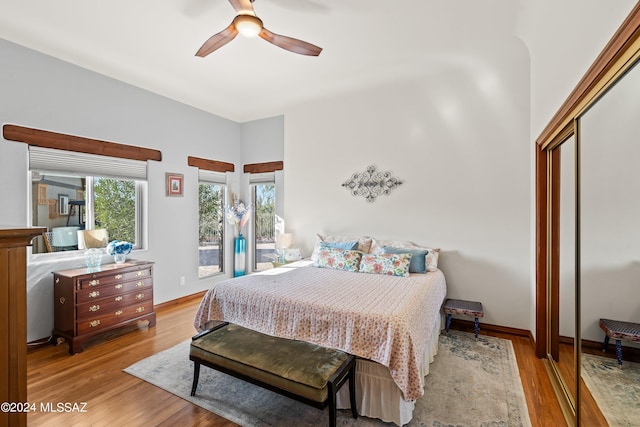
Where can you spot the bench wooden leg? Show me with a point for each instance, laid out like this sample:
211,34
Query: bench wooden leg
196,377
476,327
619,352
352,392
333,413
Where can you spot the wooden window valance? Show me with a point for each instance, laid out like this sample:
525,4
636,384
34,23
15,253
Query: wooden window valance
263,167
210,165
61,141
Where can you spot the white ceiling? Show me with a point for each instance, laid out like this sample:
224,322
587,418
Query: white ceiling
151,44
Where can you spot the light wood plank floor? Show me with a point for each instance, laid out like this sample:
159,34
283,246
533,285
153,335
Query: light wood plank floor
114,398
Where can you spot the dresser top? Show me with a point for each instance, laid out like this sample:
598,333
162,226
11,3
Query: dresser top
129,265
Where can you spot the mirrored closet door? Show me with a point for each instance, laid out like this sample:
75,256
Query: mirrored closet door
588,235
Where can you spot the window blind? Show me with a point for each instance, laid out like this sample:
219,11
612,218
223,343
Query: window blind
211,176
47,160
262,178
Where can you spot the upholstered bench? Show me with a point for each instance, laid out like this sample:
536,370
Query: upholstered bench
619,331
300,370
463,308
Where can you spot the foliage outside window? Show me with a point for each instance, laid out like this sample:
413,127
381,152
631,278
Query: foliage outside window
115,208
210,229
265,223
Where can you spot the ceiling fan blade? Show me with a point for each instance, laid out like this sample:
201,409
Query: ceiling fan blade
243,6
216,41
290,44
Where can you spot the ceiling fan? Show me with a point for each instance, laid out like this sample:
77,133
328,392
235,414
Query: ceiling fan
248,24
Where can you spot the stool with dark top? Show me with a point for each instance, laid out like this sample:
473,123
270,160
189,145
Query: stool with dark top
463,308
619,331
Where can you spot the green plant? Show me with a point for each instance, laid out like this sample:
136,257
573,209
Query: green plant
115,207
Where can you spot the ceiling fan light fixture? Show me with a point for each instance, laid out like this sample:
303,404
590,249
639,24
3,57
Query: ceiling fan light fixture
248,25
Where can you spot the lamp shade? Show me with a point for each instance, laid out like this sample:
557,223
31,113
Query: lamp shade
284,240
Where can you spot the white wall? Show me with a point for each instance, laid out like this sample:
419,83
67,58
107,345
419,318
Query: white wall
457,134
42,92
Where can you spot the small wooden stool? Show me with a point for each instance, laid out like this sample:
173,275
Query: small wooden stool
463,308
619,331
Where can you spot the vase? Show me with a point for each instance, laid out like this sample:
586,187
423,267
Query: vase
93,258
240,250
119,258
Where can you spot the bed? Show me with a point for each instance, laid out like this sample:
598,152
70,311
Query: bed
391,323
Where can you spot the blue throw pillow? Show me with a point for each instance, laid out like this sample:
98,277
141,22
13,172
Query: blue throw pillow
418,264
345,246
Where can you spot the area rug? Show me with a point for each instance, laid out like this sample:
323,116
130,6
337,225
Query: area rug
470,383
615,390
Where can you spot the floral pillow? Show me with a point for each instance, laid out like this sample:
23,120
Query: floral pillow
338,259
431,260
388,264
418,257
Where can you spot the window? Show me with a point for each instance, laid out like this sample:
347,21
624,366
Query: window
79,192
210,227
264,196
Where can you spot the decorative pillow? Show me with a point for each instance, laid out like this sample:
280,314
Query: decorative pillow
338,259
364,243
432,259
377,247
389,264
345,246
418,257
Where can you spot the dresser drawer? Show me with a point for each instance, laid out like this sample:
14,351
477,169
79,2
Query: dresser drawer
97,280
113,303
92,302
113,317
113,289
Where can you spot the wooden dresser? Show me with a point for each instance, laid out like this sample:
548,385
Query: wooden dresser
13,320
88,302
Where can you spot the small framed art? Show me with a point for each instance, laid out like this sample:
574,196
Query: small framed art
174,184
63,204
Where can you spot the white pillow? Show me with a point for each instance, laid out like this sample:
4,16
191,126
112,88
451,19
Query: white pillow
364,243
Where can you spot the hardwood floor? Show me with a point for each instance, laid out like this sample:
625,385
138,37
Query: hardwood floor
112,397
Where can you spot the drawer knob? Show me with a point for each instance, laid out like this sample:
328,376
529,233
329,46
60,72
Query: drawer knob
119,313
57,280
94,294
139,309
140,296
94,282
118,298
94,308
140,284
140,273
94,323
118,286
118,276
62,300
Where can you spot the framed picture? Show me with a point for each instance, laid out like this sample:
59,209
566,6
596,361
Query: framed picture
63,204
174,184
53,208
42,194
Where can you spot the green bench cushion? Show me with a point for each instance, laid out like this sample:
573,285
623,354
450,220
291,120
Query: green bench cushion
299,367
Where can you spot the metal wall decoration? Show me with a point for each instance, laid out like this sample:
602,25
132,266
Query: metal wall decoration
371,183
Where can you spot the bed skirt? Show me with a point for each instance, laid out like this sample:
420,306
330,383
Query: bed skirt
377,394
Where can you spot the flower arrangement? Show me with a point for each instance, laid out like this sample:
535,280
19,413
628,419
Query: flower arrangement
237,213
117,247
